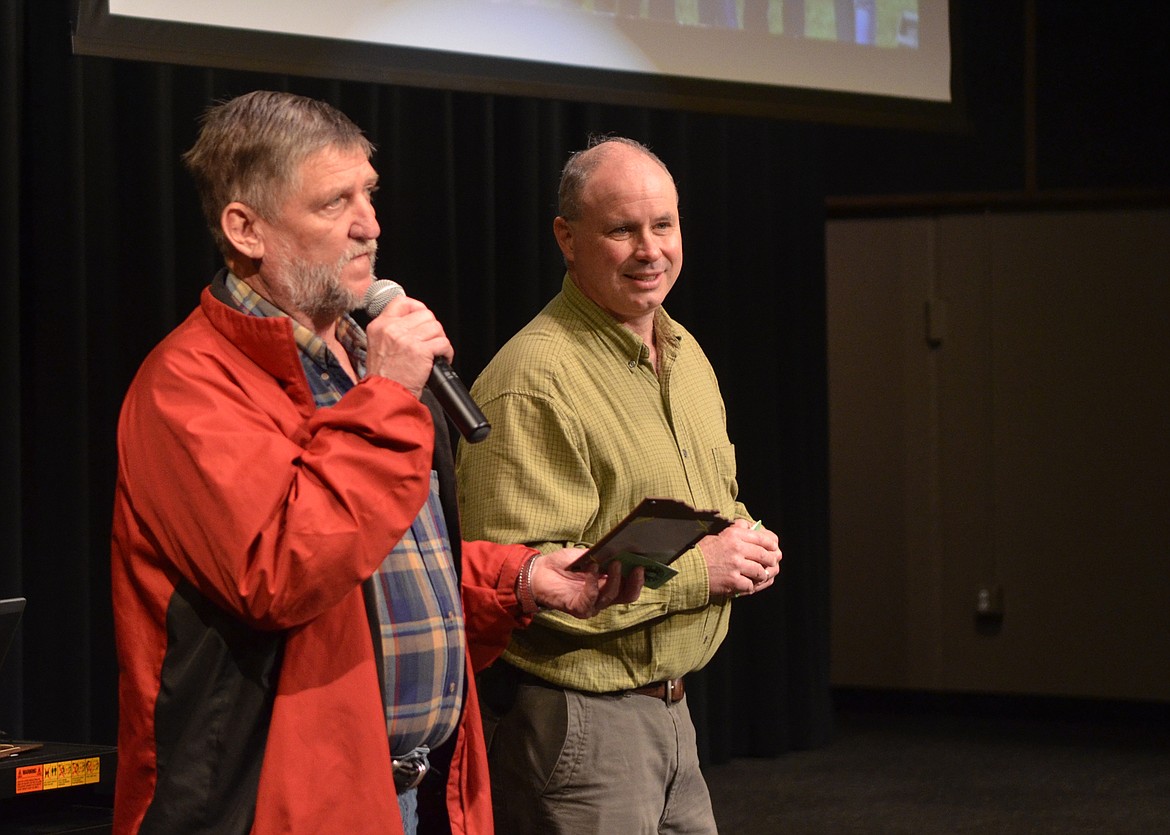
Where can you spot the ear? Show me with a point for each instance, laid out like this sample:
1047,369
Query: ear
238,222
563,232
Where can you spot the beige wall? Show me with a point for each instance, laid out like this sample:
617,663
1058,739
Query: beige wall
1025,445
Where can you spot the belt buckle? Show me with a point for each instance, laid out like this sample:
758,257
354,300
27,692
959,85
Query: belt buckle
410,769
668,691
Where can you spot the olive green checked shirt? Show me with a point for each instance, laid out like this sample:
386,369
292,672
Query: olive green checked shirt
582,431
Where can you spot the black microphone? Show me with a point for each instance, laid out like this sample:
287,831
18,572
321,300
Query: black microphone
444,383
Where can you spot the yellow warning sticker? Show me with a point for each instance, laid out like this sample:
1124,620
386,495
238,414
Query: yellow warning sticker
54,778
58,775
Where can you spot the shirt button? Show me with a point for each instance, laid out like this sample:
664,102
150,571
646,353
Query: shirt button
684,452
324,375
632,364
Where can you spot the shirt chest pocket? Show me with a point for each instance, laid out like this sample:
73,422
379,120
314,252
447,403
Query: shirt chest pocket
724,457
723,475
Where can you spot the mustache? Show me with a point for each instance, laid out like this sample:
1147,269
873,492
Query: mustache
358,249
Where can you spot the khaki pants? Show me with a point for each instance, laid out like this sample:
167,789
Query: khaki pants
562,761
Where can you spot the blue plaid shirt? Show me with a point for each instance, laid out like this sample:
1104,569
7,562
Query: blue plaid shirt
416,590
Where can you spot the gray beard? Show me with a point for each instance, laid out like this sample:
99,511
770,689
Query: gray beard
316,289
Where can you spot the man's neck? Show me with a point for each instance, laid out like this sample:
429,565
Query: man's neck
329,337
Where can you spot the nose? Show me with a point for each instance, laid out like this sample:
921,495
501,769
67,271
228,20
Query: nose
365,223
648,248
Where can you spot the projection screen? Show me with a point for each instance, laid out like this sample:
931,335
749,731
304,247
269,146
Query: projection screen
869,61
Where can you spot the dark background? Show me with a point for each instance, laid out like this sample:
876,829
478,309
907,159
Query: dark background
104,251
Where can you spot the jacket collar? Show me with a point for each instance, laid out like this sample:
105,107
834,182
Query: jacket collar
265,340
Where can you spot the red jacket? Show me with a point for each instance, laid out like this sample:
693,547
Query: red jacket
246,523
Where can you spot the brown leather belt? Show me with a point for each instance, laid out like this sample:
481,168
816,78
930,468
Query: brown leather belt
668,691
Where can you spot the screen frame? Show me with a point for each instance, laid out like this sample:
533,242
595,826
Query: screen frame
96,32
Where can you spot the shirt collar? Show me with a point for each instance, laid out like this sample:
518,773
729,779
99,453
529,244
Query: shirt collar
349,333
624,340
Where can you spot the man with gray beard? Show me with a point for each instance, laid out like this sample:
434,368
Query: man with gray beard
298,621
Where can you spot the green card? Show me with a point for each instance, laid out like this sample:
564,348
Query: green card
657,572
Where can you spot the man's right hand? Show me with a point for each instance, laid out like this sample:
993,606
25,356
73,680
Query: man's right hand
403,341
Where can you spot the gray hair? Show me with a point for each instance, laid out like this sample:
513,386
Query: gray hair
250,149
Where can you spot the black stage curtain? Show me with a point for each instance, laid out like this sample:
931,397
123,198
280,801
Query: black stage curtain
104,252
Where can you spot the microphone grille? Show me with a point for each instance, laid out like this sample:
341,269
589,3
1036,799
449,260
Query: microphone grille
380,294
